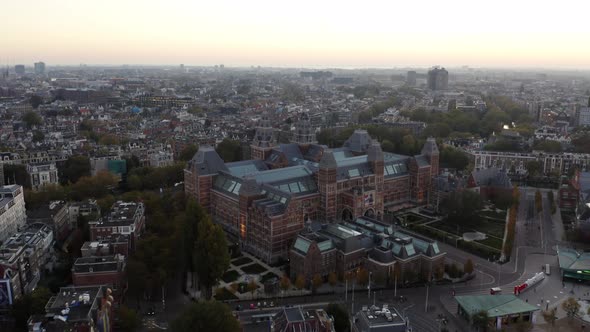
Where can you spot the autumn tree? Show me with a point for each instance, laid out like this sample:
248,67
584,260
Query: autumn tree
252,286
480,320
316,282
571,307
332,279
550,316
362,276
300,282
285,283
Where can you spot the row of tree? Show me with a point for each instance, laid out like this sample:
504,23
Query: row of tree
511,226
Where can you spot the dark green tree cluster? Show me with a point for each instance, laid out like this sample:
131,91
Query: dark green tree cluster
31,119
547,146
538,201
340,315
534,168
206,316
378,108
30,304
581,142
229,150
188,152
462,206
74,168
453,158
153,178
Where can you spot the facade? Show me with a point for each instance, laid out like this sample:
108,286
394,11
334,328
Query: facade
376,319
112,245
517,162
263,203
12,211
367,243
39,68
1,173
298,319
23,256
55,215
100,270
42,174
490,182
124,218
438,79
76,309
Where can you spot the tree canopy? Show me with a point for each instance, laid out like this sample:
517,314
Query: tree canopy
453,158
340,314
462,206
188,152
75,168
211,254
31,119
229,150
206,316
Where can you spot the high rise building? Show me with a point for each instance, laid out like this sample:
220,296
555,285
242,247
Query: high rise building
19,69
411,78
39,68
438,79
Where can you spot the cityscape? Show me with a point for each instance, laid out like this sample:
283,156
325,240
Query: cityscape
145,187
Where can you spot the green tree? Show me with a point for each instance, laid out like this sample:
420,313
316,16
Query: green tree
468,268
538,201
128,319
206,316
340,315
137,275
547,146
36,101
30,304
462,206
522,325
229,150
32,119
75,167
453,158
387,146
211,255
571,307
480,320
188,152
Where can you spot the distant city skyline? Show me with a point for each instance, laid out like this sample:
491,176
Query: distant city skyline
314,34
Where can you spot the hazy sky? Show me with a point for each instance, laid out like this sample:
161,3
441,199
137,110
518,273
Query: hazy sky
318,33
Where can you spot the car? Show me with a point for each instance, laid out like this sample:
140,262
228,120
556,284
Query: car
264,305
151,311
252,305
238,307
272,304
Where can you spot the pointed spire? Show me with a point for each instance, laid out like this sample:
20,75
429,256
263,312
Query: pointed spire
375,153
430,147
328,160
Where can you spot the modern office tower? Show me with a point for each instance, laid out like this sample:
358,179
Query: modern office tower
39,68
19,69
438,79
411,78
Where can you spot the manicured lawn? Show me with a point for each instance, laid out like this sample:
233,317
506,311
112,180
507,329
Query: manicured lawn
483,225
253,268
225,295
493,242
412,218
241,261
268,276
230,276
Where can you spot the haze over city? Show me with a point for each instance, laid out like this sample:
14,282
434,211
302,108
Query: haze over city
298,34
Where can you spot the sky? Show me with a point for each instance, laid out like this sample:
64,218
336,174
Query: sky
302,33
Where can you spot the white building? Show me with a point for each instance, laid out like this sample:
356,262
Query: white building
42,174
12,210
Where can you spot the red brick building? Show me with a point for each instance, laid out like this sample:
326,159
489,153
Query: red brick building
100,270
264,203
124,218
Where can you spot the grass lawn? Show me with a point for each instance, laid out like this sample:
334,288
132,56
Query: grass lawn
230,276
412,218
253,269
225,295
488,226
241,261
268,276
493,242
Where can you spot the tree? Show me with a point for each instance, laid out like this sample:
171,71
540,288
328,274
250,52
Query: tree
522,325
285,283
454,158
211,255
468,267
128,319
316,282
300,282
362,276
32,119
480,320
340,315
462,206
206,316
229,150
533,168
188,152
550,316
538,201
332,279
30,304
75,168
36,101
571,307
137,274
252,286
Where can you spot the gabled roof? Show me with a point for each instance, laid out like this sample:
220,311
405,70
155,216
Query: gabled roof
207,161
359,141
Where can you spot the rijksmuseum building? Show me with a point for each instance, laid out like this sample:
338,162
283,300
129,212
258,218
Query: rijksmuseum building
269,204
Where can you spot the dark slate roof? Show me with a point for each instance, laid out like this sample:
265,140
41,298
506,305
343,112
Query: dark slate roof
291,151
353,167
375,153
429,147
492,177
359,141
328,160
246,167
585,187
207,161
314,152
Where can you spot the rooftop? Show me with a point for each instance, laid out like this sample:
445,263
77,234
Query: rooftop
494,305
